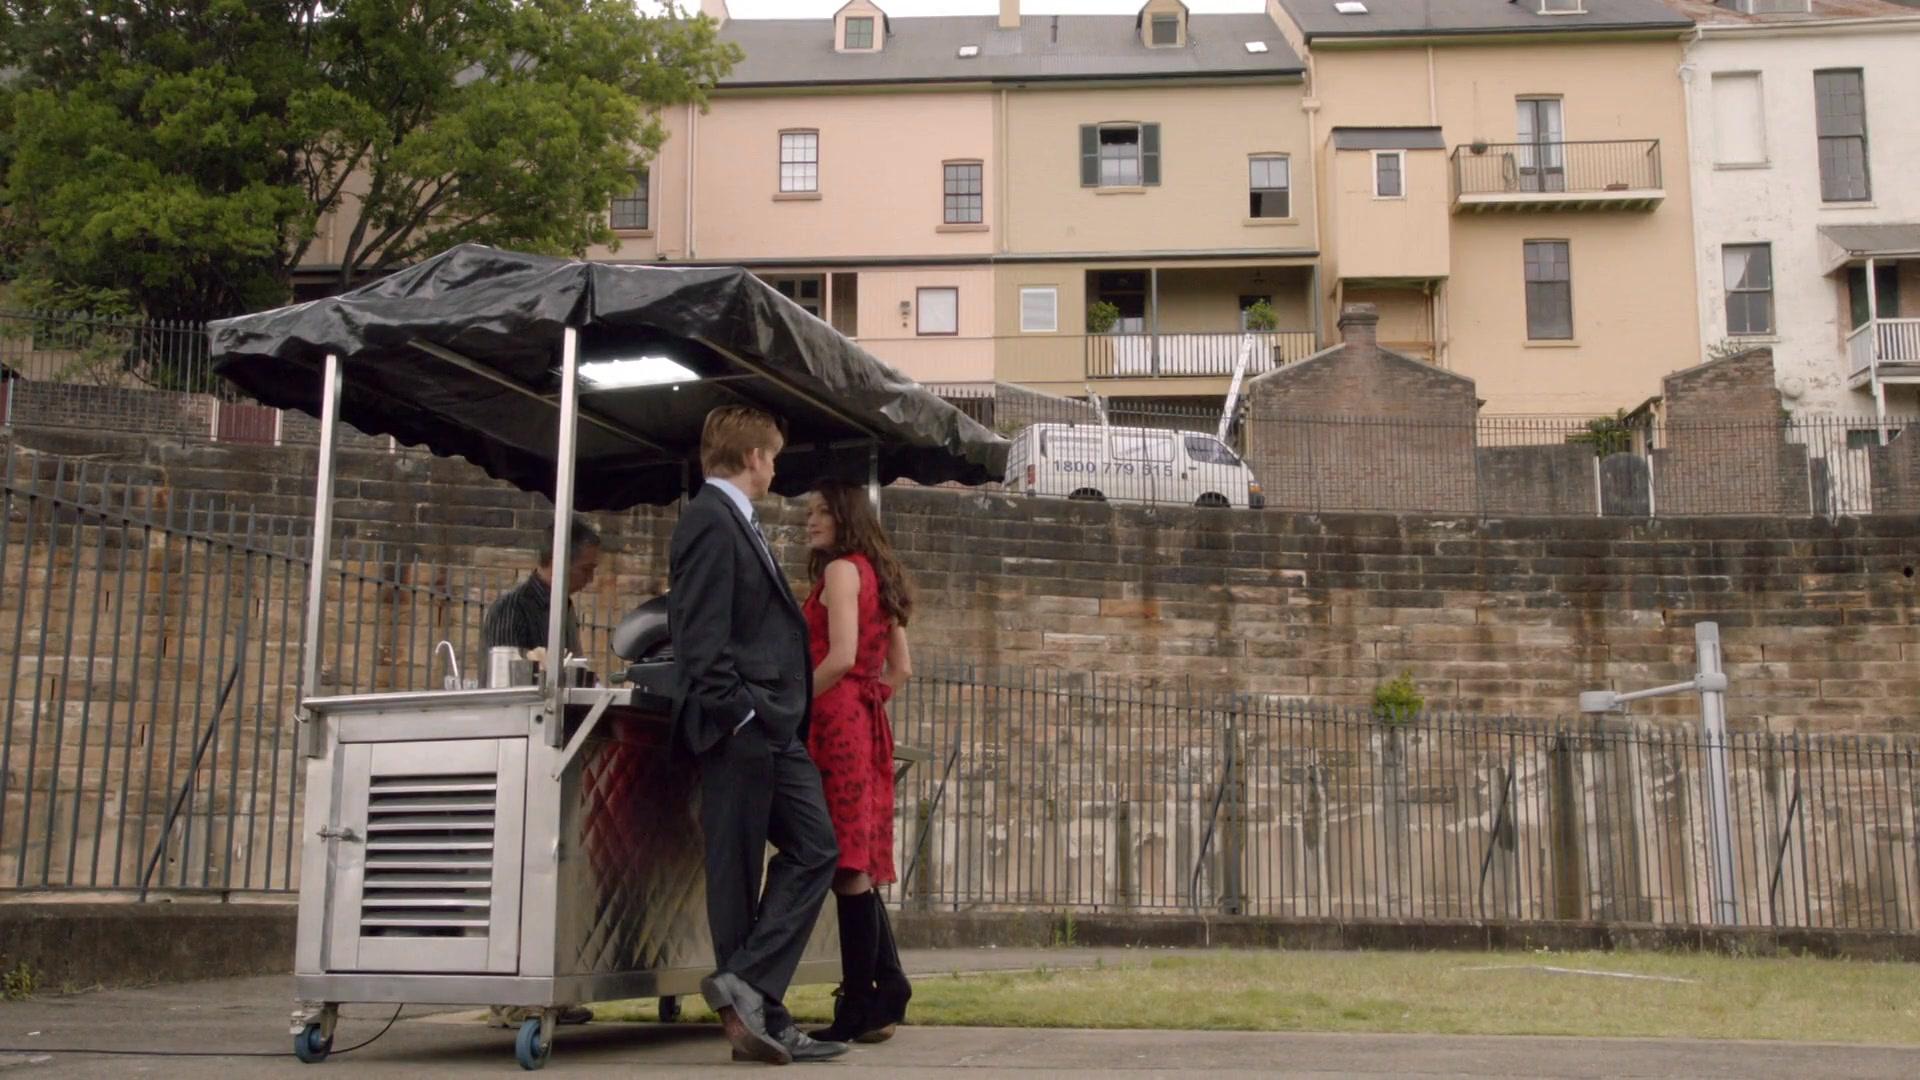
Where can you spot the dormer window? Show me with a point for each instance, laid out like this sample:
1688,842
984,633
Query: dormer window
1162,24
1563,7
1768,7
860,27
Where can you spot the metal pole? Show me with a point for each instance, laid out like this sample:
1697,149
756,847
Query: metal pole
312,741
1713,720
552,671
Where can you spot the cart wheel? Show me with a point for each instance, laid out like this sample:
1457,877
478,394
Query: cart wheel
669,1010
312,1047
531,1052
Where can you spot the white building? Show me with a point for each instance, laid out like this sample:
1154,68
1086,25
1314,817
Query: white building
1804,121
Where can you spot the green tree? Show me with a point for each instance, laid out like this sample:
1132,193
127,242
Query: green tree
179,157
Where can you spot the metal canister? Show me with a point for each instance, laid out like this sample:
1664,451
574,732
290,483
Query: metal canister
507,666
576,672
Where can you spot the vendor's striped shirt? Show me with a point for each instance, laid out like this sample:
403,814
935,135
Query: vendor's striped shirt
519,618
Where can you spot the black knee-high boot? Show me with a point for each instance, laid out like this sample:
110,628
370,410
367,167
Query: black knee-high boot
854,1007
892,989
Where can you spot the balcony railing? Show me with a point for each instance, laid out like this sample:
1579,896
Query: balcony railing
1883,342
1187,355
1558,175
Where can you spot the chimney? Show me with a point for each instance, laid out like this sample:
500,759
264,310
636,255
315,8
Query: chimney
715,10
1009,14
1360,326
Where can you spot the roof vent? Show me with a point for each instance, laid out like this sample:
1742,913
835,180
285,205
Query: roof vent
968,52
1350,7
1256,46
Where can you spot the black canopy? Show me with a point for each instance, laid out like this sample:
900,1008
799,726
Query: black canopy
461,354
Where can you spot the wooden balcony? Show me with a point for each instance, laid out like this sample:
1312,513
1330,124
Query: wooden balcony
1192,355
1888,349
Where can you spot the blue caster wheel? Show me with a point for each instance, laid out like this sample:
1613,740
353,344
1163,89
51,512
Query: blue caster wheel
669,1010
312,1047
531,1052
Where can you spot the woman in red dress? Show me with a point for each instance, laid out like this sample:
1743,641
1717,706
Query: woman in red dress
857,621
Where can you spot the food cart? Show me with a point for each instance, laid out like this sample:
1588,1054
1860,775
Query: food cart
536,845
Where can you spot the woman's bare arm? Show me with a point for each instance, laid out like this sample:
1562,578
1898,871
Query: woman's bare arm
899,659
841,595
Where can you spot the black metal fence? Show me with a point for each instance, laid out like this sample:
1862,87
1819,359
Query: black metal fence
1180,453
1060,790
104,350
151,658
151,654
1553,168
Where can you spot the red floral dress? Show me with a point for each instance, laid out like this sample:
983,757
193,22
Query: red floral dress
851,739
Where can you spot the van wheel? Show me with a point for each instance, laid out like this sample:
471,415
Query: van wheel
1087,495
1211,499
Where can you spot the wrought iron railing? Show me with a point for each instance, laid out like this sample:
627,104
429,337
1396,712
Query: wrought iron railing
1594,169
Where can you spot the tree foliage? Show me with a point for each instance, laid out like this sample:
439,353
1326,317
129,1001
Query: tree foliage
180,159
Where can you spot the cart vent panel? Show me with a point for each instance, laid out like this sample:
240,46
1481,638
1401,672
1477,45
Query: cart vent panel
429,856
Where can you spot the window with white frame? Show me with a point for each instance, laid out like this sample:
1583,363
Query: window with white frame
1749,282
1269,186
1039,309
859,32
1389,174
1119,155
1563,7
799,161
937,311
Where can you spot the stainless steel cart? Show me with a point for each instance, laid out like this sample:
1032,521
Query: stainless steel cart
456,854
538,846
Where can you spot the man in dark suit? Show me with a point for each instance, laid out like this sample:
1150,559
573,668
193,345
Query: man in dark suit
746,688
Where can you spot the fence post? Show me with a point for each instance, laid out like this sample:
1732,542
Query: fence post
921,887
1713,721
1233,838
1123,854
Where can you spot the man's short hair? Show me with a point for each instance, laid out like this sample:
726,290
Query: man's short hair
579,538
731,431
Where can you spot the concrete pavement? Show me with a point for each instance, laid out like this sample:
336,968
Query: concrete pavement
249,1016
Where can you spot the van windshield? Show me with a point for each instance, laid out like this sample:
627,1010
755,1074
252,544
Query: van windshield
1210,451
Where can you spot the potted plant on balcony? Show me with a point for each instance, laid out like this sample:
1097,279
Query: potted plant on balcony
1261,318
1102,317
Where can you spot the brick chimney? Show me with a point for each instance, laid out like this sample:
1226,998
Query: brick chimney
1009,14
1360,326
715,10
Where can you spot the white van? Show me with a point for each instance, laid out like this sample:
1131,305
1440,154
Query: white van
1130,464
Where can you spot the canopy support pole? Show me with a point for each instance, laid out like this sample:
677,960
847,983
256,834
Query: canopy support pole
553,672
311,742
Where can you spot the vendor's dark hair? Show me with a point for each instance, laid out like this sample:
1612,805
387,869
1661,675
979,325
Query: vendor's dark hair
857,531
579,538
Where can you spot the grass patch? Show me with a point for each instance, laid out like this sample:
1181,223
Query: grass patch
1688,996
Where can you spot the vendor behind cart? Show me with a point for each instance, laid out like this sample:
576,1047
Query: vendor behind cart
518,619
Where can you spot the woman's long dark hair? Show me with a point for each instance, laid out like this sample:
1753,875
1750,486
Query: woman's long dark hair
857,531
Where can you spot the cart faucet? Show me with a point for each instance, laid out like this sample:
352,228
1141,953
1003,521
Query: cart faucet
453,664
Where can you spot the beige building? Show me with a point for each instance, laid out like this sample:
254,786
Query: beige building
971,196
1507,183
1109,203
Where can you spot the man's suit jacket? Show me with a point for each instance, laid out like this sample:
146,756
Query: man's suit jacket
739,640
